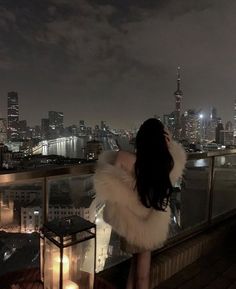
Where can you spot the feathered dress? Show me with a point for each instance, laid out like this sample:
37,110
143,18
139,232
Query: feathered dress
142,228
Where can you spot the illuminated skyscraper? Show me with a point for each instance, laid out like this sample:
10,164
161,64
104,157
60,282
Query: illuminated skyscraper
169,122
56,123
12,115
178,106
211,125
3,130
191,126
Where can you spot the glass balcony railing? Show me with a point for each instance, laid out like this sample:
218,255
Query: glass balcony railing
205,195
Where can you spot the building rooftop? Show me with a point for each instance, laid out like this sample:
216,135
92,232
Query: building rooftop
205,200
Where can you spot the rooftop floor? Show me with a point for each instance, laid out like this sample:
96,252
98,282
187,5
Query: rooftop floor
214,271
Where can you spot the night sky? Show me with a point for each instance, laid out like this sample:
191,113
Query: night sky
117,60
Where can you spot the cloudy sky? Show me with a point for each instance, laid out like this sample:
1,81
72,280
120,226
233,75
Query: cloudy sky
116,60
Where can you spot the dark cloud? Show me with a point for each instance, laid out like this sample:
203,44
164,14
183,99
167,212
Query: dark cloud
117,60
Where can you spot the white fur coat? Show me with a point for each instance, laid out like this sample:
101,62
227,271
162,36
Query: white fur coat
140,226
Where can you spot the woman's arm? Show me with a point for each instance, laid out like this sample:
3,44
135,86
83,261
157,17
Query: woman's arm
125,160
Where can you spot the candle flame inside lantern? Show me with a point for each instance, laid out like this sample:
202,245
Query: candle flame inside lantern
67,284
56,267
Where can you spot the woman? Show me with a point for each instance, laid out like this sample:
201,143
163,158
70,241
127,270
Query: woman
136,189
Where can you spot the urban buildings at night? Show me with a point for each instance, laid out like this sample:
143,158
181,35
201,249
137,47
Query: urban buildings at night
178,108
56,123
13,115
192,127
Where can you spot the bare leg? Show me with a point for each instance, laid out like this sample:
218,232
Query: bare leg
131,282
143,270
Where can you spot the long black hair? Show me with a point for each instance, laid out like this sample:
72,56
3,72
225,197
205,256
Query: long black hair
153,165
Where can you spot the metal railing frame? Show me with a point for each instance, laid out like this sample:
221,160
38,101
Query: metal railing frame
47,174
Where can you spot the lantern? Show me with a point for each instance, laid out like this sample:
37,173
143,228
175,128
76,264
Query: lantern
68,248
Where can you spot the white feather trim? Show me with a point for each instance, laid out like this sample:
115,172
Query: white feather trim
140,226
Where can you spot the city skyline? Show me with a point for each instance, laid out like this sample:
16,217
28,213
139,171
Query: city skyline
117,61
202,114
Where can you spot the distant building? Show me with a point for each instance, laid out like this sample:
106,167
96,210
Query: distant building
3,130
31,214
229,126
37,132
23,129
178,106
23,195
3,151
226,137
219,128
169,121
82,127
103,125
72,130
93,149
211,125
45,128
13,115
191,126
56,123
89,130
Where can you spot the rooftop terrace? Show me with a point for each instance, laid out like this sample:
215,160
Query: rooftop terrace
202,201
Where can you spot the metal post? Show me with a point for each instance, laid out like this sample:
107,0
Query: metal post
45,200
211,188
95,256
61,265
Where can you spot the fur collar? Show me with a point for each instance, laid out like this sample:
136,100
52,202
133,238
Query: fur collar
123,211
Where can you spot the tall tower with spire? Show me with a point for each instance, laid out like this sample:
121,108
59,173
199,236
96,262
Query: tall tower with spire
178,105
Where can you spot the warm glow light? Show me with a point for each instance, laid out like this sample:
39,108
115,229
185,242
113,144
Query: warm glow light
67,284
56,267
70,285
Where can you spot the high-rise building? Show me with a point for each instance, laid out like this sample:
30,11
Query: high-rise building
229,126
169,121
82,127
213,113
13,115
37,132
226,137
23,129
178,106
45,128
103,125
211,125
191,126
219,128
72,130
3,130
56,123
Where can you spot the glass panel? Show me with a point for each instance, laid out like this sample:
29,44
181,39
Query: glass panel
83,269
20,220
76,196
190,198
224,188
79,237
77,265
51,265
70,196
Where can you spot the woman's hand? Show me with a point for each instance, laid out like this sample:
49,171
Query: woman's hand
168,136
